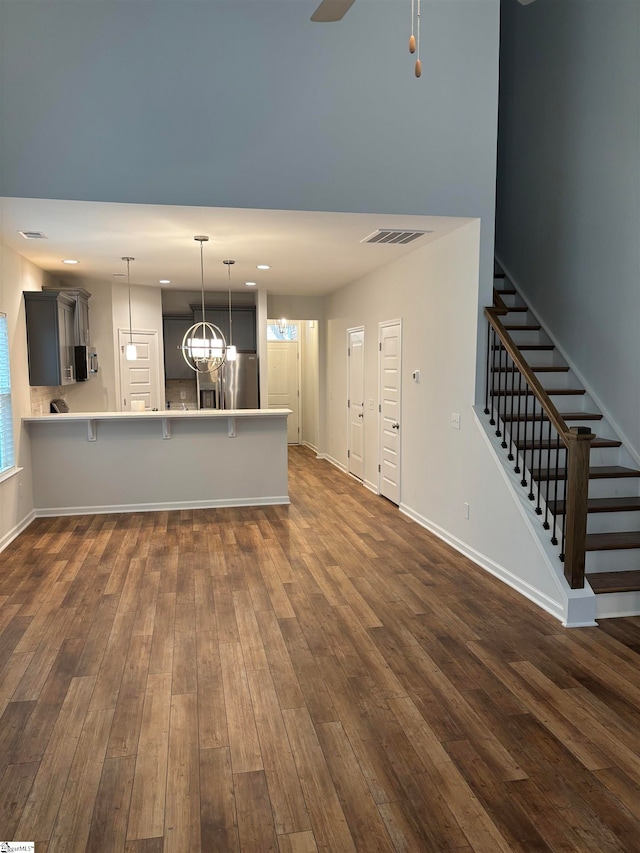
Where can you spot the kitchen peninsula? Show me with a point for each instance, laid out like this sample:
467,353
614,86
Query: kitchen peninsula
96,462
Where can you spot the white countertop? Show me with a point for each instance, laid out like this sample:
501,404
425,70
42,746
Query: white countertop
159,415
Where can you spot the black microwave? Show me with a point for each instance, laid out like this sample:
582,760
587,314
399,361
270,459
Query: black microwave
86,362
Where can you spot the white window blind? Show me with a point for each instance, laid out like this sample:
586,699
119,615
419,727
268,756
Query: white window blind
6,420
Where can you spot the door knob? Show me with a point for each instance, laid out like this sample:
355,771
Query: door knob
395,426
360,415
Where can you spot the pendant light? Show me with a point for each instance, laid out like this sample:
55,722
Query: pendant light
231,350
203,347
131,353
282,325
414,41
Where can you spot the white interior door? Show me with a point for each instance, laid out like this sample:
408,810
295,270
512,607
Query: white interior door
355,391
284,385
139,378
390,346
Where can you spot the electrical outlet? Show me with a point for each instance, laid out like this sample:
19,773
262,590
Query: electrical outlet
466,510
183,395
455,420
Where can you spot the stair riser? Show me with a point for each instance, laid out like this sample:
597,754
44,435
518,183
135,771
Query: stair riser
612,522
612,561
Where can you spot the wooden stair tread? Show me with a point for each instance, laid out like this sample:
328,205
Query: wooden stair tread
540,368
519,327
601,472
614,581
571,392
551,445
612,541
521,309
630,504
535,347
566,416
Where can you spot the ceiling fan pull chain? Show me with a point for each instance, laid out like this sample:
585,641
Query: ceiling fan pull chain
418,63
412,39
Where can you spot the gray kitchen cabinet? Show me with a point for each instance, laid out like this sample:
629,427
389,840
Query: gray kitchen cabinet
243,321
81,312
175,367
51,337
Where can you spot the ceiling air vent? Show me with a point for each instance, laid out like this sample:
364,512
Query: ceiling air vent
396,238
33,235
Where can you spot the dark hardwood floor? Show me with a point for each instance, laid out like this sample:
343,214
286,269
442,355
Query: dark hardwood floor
324,676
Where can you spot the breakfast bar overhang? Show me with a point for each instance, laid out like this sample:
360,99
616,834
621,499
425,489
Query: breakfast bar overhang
96,462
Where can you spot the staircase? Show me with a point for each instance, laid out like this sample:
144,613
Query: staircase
611,541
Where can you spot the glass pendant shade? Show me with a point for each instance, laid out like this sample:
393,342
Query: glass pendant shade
204,347
131,353
282,325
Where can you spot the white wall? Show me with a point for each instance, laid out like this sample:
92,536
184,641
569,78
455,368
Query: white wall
310,390
434,292
568,213
98,393
16,493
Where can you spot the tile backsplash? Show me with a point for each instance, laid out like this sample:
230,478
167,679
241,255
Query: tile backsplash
42,395
172,390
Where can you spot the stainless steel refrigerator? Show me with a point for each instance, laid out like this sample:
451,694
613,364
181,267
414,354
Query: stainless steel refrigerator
234,386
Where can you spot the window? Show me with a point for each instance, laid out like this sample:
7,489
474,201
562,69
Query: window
282,331
6,418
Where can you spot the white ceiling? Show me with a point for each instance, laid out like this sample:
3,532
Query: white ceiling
309,253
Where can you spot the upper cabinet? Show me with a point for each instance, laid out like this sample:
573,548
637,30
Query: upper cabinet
57,322
243,322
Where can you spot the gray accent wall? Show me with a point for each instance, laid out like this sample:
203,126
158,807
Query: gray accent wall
568,202
249,104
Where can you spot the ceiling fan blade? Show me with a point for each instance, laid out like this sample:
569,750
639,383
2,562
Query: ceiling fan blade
331,10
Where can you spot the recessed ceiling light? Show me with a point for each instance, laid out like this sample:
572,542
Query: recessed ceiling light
70,261
263,267
250,283
164,281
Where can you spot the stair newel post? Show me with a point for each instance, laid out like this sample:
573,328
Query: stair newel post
576,502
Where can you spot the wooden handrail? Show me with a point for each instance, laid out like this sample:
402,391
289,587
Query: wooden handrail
543,398
577,441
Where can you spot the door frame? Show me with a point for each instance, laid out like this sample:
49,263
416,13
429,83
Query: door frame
154,336
381,325
297,342
350,331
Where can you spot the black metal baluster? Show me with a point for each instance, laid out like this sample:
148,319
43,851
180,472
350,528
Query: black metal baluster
538,507
517,466
554,538
492,420
488,373
500,351
531,495
523,481
564,505
512,374
548,488
505,398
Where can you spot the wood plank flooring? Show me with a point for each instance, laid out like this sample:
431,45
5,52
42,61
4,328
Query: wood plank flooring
321,677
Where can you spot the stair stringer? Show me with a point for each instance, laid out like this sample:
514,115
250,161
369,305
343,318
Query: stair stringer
578,606
633,453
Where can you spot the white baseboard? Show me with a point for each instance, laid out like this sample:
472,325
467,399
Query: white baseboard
610,605
310,446
334,462
373,487
8,538
525,589
47,512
